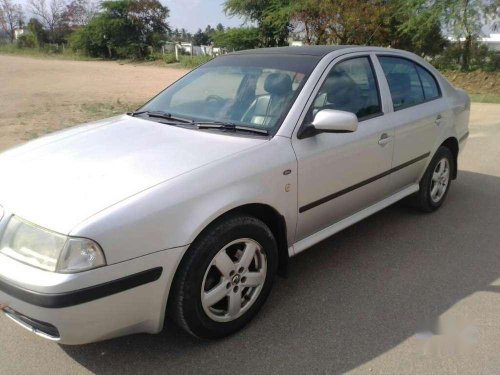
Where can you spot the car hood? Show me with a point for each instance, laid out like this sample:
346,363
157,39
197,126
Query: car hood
62,179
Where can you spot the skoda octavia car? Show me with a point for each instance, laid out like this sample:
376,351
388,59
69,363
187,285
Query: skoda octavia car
189,206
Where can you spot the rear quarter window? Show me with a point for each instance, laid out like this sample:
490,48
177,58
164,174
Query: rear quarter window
429,84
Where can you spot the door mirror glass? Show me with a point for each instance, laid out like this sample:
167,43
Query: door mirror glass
334,121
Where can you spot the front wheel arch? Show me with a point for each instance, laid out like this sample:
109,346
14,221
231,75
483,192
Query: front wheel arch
267,214
182,305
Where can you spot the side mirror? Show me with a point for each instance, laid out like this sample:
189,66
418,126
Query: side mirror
330,121
333,121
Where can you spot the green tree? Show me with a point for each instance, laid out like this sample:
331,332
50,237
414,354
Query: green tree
340,21
219,27
38,32
209,30
462,19
185,36
124,28
201,38
236,39
270,15
428,41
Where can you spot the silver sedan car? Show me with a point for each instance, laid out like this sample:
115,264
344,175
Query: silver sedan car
189,206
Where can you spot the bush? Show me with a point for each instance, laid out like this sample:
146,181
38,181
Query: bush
169,58
237,39
132,50
27,41
482,58
493,61
80,41
449,59
52,48
189,62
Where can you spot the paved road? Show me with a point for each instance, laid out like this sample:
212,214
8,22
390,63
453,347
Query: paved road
398,293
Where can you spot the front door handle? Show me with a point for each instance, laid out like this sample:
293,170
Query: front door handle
384,139
438,120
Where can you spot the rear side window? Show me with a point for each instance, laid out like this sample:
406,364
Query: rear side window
350,86
429,84
404,82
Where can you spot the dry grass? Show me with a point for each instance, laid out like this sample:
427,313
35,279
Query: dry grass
40,96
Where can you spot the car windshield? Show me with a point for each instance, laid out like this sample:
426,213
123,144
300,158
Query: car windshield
254,90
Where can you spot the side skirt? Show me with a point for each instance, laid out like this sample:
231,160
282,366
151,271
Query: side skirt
348,221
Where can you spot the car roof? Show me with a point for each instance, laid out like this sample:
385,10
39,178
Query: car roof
319,51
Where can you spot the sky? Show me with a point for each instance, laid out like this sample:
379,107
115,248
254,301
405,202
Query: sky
194,14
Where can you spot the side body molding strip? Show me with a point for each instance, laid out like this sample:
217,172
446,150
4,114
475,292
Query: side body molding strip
353,219
361,184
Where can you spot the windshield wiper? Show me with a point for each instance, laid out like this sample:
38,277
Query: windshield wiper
200,124
228,126
163,115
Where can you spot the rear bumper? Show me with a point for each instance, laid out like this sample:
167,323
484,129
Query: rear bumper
116,300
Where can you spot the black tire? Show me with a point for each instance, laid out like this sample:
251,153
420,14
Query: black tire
423,199
185,303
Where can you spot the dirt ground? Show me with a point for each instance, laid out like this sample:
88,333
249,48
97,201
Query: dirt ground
39,96
477,82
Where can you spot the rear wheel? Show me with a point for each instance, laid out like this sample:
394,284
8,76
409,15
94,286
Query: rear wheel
436,181
224,278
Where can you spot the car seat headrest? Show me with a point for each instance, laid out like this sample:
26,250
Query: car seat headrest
278,84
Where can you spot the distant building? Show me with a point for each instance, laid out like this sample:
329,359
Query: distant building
18,33
493,41
168,47
295,43
188,49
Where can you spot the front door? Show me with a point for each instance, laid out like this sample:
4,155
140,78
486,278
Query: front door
340,174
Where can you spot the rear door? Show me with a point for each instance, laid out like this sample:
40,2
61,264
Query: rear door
418,110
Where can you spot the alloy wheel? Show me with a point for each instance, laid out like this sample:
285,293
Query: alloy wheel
233,280
440,180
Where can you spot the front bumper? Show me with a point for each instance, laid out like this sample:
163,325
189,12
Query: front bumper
116,300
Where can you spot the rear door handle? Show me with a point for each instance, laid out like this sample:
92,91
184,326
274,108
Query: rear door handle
438,120
384,139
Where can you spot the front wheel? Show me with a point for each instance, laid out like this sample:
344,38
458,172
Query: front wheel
436,181
224,278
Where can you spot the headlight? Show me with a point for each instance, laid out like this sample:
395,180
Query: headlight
48,250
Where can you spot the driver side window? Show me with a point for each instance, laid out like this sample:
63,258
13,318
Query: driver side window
350,86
